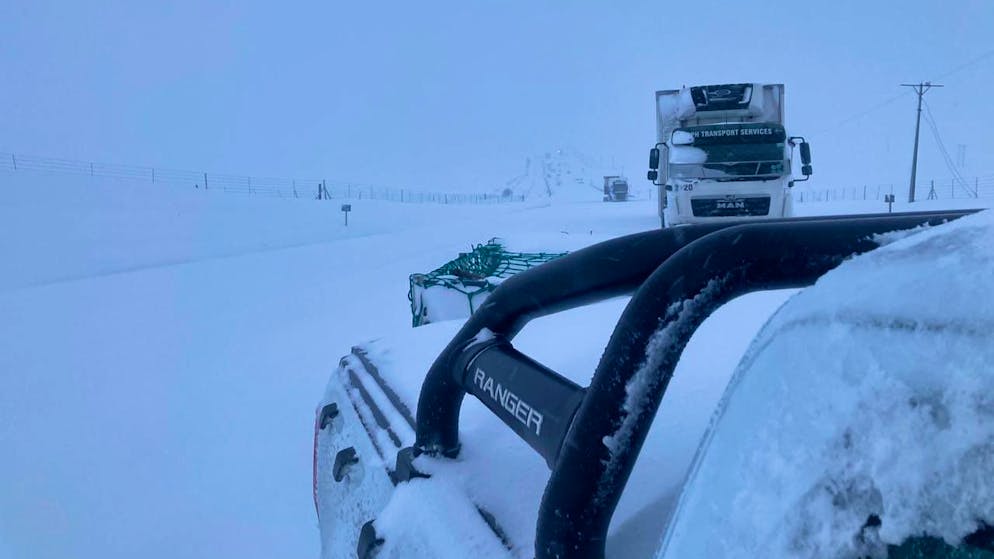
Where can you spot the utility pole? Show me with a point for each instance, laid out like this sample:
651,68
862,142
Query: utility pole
920,88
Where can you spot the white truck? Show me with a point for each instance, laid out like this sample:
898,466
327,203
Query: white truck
722,153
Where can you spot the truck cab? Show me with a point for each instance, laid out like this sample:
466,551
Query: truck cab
723,153
615,188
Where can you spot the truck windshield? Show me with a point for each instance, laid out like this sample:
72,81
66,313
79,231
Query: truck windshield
732,157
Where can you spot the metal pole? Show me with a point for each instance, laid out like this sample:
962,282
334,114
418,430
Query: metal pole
205,181
920,88
914,156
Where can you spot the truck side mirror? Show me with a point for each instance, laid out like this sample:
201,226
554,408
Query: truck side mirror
654,158
806,170
652,175
806,156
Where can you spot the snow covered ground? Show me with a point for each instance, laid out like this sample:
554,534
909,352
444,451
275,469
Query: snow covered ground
161,351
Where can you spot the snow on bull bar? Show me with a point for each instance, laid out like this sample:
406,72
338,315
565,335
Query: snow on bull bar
409,470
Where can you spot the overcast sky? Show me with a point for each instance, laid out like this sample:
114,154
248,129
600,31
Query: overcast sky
457,94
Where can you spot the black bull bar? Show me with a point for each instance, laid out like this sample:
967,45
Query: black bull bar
677,278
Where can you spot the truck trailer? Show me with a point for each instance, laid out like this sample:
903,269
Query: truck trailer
722,153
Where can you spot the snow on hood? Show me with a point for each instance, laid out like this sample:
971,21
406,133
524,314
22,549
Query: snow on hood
871,393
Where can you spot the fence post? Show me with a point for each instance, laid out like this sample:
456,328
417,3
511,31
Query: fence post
205,181
864,192
324,185
293,182
153,175
91,168
14,161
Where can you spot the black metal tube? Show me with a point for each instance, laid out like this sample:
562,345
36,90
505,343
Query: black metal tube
599,272
596,273
631,378
534,401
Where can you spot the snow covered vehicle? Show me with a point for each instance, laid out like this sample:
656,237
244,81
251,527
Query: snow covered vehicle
860,422
727,154
615,188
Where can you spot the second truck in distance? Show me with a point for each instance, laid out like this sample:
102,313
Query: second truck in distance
722,153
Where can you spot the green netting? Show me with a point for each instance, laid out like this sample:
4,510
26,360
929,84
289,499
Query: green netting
926,547
472,273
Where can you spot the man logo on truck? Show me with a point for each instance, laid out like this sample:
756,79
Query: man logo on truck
730,203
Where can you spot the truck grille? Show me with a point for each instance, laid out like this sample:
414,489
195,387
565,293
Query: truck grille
730,206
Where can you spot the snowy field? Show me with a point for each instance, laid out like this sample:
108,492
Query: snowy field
162,351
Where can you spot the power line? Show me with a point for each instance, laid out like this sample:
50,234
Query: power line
966,65
890,100
957,176
861,114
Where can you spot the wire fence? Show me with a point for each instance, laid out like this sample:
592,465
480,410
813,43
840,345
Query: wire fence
945,189
317,189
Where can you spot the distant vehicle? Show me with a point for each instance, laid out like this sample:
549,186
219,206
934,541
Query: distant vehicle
725,154
615,188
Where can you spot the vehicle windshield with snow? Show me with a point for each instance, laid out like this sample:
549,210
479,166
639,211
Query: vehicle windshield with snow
861,421
744,152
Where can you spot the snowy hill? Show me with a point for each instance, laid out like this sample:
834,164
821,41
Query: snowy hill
563,174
